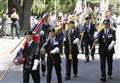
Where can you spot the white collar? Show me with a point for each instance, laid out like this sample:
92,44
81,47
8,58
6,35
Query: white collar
106,30
30,42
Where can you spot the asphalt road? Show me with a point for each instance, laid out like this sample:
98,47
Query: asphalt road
88,72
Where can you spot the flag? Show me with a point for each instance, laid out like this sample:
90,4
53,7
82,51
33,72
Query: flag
105,5
38,26
19,59
40,23
102,6
78,8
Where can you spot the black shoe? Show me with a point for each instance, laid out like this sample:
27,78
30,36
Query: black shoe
109,77
67,78
43,74
93,58
103,79
75,76
18,37
87,61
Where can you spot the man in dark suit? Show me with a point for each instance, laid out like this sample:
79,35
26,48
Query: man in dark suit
71,42
88,38
42,40
31,64
106,40
53,56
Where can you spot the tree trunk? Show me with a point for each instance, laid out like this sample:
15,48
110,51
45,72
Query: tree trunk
25,18
23,10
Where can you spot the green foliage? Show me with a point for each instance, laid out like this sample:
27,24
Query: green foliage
53,6
38,6
116,6
3,4
65,6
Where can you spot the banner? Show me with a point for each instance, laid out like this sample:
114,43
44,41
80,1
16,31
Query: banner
104,11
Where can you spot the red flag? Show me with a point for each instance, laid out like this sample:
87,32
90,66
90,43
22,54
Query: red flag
38,26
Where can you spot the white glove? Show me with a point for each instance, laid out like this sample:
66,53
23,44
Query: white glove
111,45
42,32
55,50
76,41
64,39
96,35
36,62
42,51
96,40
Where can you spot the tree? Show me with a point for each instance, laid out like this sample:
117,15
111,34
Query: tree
24,10
3,5
41,6
26,7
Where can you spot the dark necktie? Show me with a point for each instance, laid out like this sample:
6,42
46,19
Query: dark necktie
51,40
106,32
87,27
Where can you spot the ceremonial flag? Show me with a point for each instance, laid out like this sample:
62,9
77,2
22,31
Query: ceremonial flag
105,6
78,8
40,23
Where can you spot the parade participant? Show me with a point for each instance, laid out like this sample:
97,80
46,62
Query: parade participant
106,40
81,38
31,64
60,38
42,40
88,38
71,50
45,27
53,56
15,27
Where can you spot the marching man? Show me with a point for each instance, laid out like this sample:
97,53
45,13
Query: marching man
106,40
31,59
53,56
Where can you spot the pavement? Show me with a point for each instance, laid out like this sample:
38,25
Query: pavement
87,72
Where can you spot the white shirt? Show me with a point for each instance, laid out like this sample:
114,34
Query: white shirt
30,42
106,31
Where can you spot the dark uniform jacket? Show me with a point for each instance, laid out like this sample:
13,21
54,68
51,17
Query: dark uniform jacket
42,40
30,53
105,40
49,47
75,34
68,43
89,33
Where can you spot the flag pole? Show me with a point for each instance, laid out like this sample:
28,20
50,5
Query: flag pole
8,69
100,27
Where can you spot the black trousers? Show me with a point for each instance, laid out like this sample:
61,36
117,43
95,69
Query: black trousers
82,46
43,65
87,50
106,57
61,48
73,62
57,66
34,73
68,68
